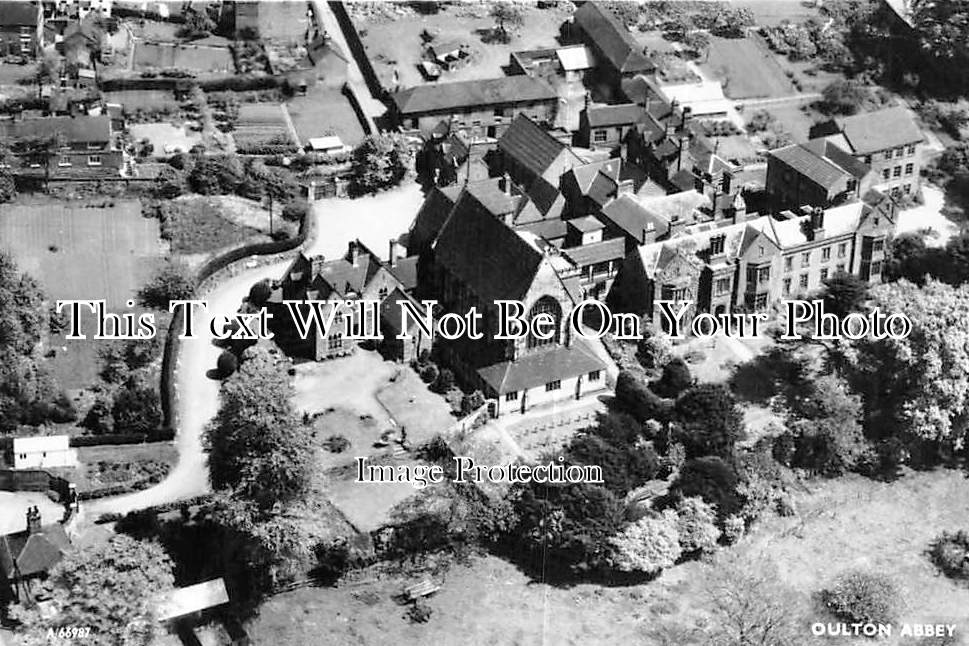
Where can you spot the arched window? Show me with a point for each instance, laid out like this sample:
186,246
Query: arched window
545,305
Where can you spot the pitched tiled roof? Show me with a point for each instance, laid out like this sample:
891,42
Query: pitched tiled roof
390,309
16,13
539,368
805,161
491,259
837,221
627,214
530,145
405,271
656,255
431,217
612,39
442,97
586,223
553,229
873,131
27,554
616,115
80,129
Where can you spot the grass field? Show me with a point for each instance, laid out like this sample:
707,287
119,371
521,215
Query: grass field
142,464
325,111
196,225
842,523
77,252
746,70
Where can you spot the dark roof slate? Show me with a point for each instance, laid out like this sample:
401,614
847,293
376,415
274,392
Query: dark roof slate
539,368
441,97
612,39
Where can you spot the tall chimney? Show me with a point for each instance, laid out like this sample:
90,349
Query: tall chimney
353,253
506,183
33,520
392,253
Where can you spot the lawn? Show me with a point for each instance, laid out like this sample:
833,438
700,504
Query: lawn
773,12
139,465
325,111
134,100
842,523
397,44
746,69
198,58
198,225
77,251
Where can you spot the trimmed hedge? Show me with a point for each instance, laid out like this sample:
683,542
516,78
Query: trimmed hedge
111,439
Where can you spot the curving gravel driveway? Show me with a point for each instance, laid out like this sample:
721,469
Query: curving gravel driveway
198,402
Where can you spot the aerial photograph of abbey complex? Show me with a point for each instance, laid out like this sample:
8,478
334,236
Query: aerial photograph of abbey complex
484,322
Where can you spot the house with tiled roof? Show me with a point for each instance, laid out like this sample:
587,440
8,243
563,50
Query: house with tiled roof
618,55
726,265
28,555
606,126
360,275
485,106
815,173
21,28
481,256
889,141
85,147
589,187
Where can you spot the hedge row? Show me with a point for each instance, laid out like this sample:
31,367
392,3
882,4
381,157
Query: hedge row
110,517
238,83
162,435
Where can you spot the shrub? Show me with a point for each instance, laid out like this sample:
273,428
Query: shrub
216,175
649,545
712,479
419,613
697,525
638,400
295,210
260,292
136,410
654,351
950,553
429,373
710,421
173,281
444,381
472,402
227,364
675,379
733,529
336,444
862,597
98,419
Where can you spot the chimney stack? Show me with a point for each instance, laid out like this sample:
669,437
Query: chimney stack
505,184
392,253
33,520
353,253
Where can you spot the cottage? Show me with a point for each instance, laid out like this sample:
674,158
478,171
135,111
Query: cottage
21,28
28,555
43,452
77,147
483,106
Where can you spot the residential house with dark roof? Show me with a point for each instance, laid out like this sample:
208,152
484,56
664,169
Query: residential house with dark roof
618,55
589,187
607,126
21,28
392,326
479,258
749,264
360,275
888,140
87,148
28,555
816,173
483,106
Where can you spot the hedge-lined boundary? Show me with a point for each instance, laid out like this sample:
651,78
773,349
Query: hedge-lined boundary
163,435
169,396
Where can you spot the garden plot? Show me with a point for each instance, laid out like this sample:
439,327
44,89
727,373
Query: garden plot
197,58
261,127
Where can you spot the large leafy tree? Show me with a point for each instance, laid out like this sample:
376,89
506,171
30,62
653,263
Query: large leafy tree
919,385
710,423
110,586
648,545
379,163
258,447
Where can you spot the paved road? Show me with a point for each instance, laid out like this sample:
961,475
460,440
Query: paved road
198,402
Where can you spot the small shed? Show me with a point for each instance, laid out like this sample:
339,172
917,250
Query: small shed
42,452
330,144
449,54
182,602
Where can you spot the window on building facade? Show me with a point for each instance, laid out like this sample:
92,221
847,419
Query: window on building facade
64,161
680,294
806,259
911,149
788,263
897,171
842,250
888,154
868,159
826,254
510,397
760,301
887,173
595,375
94,160
334,341
876,268
895,191
899,151
787,285
722,286
824,274
545,305
907,188
909,168
877,245
763,274
717,244
840,267
382,293
803,281
598,136
553,385
852,185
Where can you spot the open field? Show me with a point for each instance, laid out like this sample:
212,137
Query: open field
324,111
397,44
746,69
76,252
842,524
198,224
199,58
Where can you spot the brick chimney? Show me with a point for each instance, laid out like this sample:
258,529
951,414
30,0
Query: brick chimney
353,252
33,520
392,253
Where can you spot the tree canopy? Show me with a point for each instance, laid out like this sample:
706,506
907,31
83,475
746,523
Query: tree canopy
379,163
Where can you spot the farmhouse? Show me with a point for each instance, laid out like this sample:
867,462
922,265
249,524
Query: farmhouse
21,28
888,140
81,147
484,107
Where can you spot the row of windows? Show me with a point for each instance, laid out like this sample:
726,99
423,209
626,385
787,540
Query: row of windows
889,173
65,162
803,278
895,152
806,256
551,386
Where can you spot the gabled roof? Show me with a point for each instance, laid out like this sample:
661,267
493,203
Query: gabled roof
553,229
491,259
444,97
24,554
15,13
539,368
81,129
405,271
627,214
837,221
586,224
616,115
612,39
589,254
873,131
431,217
821,162
530,145
390,308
